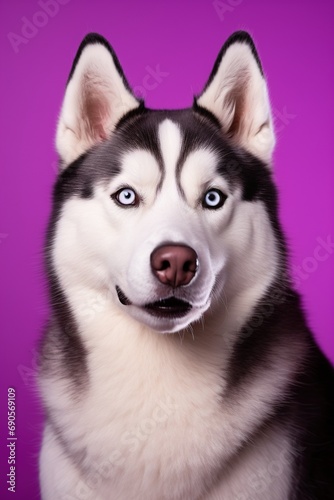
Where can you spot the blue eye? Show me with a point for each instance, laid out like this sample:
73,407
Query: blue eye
126,197
213,199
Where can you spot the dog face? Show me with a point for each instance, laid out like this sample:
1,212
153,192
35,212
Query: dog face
167,213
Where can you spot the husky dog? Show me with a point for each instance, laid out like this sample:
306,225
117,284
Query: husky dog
177,363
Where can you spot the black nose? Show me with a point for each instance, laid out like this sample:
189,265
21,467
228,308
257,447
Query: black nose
174,265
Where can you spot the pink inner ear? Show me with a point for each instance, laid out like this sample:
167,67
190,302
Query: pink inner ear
96,110
238,99
97,113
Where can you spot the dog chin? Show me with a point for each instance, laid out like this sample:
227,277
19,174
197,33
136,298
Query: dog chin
164,324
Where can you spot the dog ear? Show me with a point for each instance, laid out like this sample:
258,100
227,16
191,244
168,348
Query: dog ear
97,96
236,93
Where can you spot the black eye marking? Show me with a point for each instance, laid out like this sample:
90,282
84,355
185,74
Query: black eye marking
213,199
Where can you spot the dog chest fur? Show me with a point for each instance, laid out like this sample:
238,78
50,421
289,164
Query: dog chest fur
154,421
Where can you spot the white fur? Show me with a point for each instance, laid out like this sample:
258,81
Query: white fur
170,144
238,88
194,176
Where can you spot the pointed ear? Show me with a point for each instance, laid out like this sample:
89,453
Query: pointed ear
97,96
237,95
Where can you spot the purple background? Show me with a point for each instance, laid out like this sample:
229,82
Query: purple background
295,42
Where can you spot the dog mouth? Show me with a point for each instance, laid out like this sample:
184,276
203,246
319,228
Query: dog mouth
170,307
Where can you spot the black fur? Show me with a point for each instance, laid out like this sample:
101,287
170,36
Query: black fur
61,342
312,416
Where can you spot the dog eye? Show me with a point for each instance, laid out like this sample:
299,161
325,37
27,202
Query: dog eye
213,199
126,197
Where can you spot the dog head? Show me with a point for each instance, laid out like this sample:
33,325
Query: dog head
169,212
